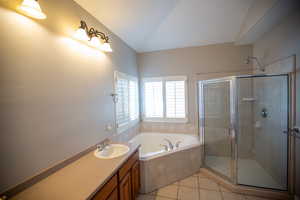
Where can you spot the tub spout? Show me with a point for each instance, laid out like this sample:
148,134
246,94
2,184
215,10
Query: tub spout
171,146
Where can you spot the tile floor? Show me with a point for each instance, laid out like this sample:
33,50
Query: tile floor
196,187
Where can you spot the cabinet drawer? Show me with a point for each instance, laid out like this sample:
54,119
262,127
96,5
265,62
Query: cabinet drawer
107,189
127,166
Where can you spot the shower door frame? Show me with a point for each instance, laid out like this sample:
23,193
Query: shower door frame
234,127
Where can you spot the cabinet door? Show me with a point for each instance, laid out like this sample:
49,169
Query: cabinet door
105,192
113,195
125,188
135,173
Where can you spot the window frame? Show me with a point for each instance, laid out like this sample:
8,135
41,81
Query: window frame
130,123
163,80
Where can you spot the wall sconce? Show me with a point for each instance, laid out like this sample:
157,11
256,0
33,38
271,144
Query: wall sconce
32,9
95,38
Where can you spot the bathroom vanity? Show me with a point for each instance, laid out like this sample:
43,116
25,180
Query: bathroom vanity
125,184
91,178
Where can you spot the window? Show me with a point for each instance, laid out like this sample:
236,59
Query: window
165,99
175,99
127,105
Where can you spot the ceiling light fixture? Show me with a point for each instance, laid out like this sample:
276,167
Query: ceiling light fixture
94,37
32,9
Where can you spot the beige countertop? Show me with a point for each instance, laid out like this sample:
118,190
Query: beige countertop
77,181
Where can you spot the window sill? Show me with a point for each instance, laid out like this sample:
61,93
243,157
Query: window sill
164,120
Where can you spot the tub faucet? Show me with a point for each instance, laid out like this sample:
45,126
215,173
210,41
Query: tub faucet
170,144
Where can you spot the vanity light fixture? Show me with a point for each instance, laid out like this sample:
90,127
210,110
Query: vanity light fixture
32,9
95,38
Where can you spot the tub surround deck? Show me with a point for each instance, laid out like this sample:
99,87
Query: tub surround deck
78,180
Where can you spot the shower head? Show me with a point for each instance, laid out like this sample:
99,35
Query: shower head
250,58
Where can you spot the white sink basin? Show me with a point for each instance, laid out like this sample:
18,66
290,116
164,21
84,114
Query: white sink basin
112,151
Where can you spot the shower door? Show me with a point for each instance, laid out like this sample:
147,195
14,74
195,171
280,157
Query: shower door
263,114
244,129
216,113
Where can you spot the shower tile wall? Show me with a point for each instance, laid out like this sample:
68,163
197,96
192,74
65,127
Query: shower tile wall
270,146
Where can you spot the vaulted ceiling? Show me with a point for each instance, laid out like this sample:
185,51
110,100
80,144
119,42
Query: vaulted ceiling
149,25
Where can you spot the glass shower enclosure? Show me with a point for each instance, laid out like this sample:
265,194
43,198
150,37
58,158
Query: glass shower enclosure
243,122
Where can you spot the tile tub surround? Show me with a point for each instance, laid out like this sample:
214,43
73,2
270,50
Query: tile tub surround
167,127
196,187
161,171
79,180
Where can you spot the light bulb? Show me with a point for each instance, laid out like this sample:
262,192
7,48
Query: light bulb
80,34
95,42
32,8
106,47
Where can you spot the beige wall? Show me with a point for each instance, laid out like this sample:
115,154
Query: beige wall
54,91
190,61
280,42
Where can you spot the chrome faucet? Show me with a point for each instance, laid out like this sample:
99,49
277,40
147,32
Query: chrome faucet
177,144
102,145
171,146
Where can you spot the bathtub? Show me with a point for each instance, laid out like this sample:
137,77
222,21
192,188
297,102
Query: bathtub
161,167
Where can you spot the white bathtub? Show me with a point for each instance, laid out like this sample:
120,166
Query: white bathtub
151,143
160,167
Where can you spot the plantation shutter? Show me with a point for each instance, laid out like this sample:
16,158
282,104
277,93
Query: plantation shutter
153,99
127,105
133,100
175,99
122,105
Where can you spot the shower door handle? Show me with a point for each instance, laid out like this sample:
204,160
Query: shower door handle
293,132
228,131
296,132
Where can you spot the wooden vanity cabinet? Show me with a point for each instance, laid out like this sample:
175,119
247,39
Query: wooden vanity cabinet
125,184
125,188
108,191
135,179
113,195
